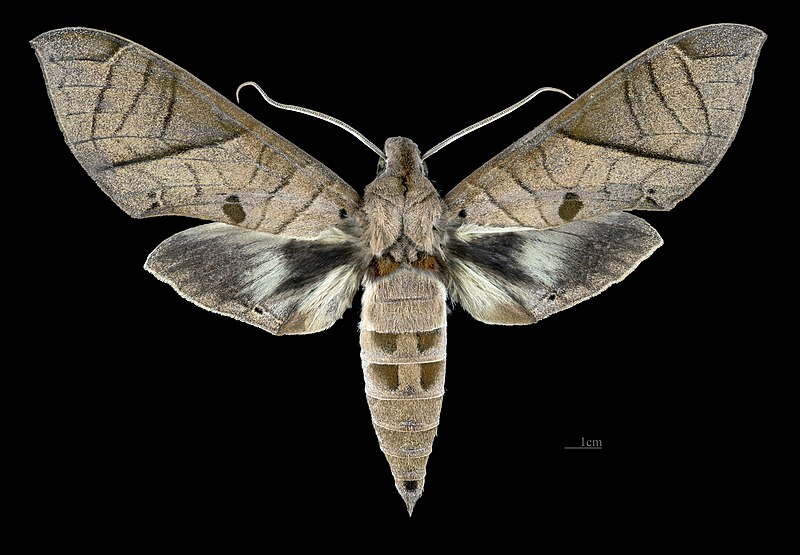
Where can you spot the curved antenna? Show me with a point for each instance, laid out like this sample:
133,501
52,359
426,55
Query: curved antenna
490,119
314,113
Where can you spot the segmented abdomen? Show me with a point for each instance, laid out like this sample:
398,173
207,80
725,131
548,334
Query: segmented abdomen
403,341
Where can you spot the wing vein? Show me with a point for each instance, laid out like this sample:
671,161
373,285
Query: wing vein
632,150
692,83
170,108
284,225
651,75
136,96
501,207
629,103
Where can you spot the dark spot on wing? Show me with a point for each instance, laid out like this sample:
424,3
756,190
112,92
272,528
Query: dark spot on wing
342,213
233,209
570,207
462,213
153,195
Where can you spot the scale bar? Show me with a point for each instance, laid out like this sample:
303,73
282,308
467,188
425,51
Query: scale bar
582,447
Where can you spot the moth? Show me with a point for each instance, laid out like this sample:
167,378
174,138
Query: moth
538,228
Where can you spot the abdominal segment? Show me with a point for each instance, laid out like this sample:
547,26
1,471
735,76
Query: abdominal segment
403,340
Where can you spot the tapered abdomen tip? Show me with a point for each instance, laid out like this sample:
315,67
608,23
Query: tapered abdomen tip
410,491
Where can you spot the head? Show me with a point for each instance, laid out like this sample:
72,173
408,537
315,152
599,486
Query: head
402,157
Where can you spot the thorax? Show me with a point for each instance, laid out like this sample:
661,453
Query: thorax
402,207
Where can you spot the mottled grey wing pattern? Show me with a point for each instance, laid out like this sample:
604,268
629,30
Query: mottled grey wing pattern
643,138
523,276
160,142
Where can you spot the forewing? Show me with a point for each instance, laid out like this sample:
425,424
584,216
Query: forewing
283,285
522,276
643,138
159,142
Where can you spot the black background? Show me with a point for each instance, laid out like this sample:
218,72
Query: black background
150,415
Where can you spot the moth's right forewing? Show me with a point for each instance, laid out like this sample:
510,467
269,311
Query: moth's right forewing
159,141
282,285
522,276
643,138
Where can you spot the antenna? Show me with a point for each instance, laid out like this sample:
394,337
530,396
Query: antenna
314,113
490,119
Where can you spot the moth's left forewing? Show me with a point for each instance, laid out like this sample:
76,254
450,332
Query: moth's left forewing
158,141
643,138
282,285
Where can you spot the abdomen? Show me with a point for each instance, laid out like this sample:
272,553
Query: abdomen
403,341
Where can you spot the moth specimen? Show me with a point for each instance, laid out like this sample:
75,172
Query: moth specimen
541,226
